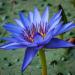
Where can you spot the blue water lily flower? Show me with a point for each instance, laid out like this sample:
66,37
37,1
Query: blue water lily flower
35,32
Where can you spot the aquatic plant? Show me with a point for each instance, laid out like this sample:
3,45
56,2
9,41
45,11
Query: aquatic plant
35,33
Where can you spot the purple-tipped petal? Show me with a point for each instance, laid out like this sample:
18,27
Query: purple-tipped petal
29,55
45,15
36,16
58,43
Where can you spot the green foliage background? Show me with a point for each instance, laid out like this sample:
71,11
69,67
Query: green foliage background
59,61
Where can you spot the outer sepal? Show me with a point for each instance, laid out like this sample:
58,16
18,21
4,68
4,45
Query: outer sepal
58,43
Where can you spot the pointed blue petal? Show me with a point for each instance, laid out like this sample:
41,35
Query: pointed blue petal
8,39
17,37
66,28
29,55
19,23
12,28
45,15
30,17
55,18
13,39
10,46
57,15
57,28
14,42
36,16
24,20
58,43
55,23
69,28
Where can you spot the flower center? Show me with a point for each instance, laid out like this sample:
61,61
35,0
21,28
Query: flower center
29,33
42,30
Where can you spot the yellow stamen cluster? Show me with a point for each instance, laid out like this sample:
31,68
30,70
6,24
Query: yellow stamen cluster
42,34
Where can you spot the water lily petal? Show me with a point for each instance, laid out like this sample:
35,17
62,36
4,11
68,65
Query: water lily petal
36,16
54,20
47,38
45,15
8,39
30,17
12,28
55,23
38,38
24,20
20,39
19,23
13,39
58,43
57,28
56,16
10,46
13,43
66,28
29,55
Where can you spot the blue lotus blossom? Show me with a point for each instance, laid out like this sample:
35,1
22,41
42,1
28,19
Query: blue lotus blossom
35,32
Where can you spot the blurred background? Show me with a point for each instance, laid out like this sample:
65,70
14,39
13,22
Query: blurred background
59,61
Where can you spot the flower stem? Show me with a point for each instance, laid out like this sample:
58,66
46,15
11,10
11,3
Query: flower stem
43,61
